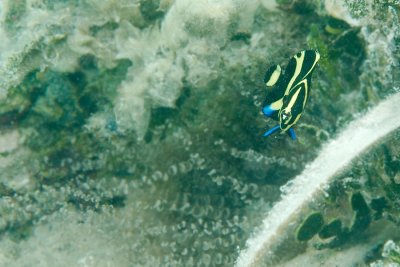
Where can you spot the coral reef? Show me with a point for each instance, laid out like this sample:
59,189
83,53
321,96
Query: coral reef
131,130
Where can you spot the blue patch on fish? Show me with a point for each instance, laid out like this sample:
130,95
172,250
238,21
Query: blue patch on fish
290,91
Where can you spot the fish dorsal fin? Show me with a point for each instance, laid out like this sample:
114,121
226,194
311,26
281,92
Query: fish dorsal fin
272,75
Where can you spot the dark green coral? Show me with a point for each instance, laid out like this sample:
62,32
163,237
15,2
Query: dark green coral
310,227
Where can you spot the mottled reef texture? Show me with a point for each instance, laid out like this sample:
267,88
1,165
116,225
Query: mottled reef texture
134,127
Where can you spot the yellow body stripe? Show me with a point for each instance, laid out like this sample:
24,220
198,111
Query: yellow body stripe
297,118
313,65
299,64
274,77
277,105
293,100
305,92
290,125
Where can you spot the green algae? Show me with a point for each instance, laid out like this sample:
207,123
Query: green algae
362,217
310,227
333,228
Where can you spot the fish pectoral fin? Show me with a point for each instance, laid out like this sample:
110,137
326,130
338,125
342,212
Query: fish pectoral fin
272,75
272,130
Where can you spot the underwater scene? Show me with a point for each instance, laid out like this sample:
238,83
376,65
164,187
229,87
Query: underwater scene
168,133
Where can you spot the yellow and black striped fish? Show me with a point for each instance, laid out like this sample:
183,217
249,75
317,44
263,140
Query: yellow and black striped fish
291,91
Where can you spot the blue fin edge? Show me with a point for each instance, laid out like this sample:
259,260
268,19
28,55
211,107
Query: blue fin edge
268,111
292,134
272,130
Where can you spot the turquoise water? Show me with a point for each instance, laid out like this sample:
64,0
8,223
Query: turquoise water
131,131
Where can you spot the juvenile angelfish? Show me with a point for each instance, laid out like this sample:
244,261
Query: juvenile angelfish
290,91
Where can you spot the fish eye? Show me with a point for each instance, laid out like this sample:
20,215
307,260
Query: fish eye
286,115
298,54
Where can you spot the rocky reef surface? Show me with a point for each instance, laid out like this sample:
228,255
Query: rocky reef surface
131,131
